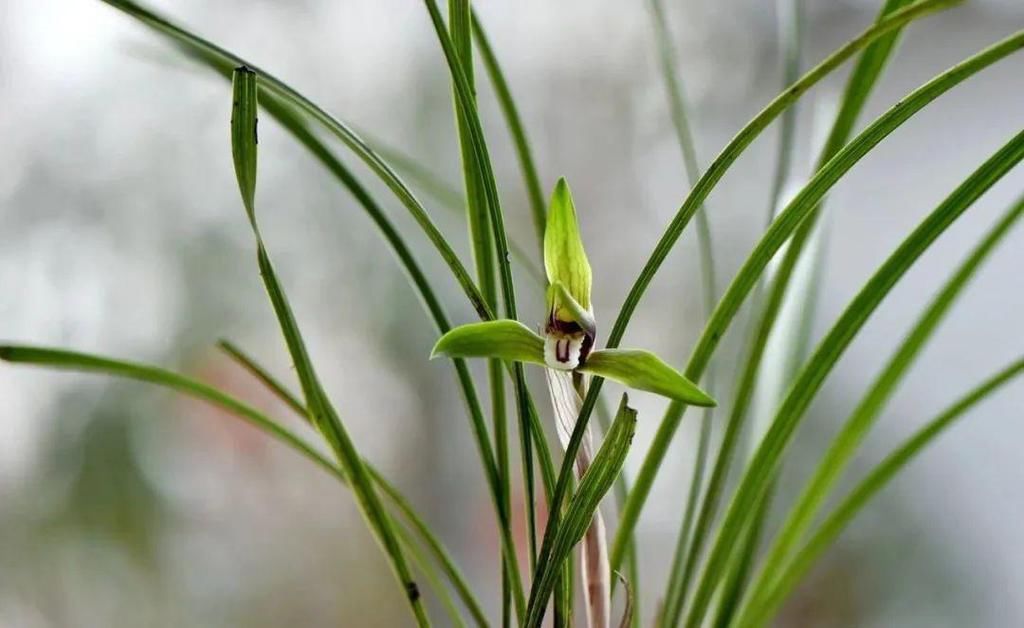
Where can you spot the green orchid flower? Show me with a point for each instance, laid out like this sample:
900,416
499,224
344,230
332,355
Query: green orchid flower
570,329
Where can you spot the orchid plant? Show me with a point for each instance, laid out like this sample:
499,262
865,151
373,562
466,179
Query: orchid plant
720,575
566,350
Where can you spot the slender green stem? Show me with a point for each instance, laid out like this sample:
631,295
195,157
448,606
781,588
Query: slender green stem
878,479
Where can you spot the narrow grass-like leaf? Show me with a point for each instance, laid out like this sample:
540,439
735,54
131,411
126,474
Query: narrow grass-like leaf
502,339
593,486
693,201
429,573
64,359
791,34
441,555
845,444
515,128
859,85
280,108
486,181
875,481
322,412
244,109
645,371
480,236
294,125
738,575
787,222
88,363
222,63
620,491
760,472
225,60
684,137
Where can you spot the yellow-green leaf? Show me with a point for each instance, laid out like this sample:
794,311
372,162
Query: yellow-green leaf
645,371
503,339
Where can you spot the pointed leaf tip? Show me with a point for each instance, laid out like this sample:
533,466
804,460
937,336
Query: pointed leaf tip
645,371
565,259
244,135
502,339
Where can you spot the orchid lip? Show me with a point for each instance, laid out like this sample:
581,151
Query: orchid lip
563,352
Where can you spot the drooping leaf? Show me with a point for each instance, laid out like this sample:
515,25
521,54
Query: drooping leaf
89,363
645,371
503,339
565,260
321,411
584,503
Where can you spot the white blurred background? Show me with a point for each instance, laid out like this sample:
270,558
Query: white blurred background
121,233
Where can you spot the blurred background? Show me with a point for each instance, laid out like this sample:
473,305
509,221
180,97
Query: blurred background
121,233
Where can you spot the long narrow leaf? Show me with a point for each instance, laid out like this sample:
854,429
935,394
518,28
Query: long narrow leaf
441,555
845,444
322,412
339,129
484,173
760,472
694,200
709,290
878,479
88,363
480,236
515,128
787,222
